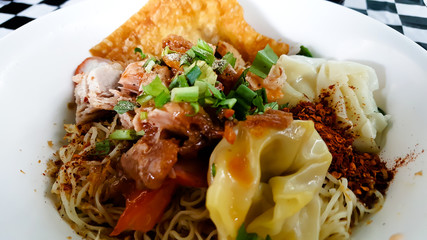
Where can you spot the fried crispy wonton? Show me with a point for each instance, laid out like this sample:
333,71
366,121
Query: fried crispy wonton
210,20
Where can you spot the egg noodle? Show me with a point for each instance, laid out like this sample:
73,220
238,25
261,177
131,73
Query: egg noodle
80,186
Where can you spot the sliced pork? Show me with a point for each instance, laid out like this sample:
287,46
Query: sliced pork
150,160
135,76
95,78
195,130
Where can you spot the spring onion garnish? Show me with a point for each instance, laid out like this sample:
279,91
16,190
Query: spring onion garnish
138,50
229,57
149,64
143,115
185,94
193,74
143,99
185,60
203,52
102,148
124,106
155,88
178,81
215,92
213,170
304,51
196,109
243,235
263,62
272,105
227,103
140,133
124,134
219,66
167,51
161,99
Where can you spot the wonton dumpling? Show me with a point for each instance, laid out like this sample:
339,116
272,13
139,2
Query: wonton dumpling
270,182
351,87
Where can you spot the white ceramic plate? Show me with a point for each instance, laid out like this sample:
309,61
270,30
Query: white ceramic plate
37,62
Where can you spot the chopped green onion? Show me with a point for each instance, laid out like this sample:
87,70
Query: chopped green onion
272,105
228,103
123,134
149,65
178,81
143,99
102,148
155,88
242,79
243,235
204,52
304,51
185,94
185,60
124,106
161,99
191,53
167,51
282,106
203,87
138,50
210,101
258,102
193,74
215,92
261,92
246,93
140,133
196,108
143,115
213,170
263,62
219,66
174,83
229,57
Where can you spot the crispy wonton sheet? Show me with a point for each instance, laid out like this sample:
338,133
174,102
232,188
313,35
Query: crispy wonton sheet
210,20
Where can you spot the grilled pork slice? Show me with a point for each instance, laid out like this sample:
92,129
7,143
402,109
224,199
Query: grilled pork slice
136,76
150,160
195,131
95,78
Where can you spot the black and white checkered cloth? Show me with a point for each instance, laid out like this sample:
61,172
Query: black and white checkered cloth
409,17
14,14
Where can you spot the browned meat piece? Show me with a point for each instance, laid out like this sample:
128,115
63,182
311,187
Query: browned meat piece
229,78
273,83
150,160
173,61
177,43
135,75
95,80
271,118
178,120
224,47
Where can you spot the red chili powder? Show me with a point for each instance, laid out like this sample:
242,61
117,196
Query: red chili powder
365,172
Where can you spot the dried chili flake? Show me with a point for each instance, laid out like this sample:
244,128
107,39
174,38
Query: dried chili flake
365,172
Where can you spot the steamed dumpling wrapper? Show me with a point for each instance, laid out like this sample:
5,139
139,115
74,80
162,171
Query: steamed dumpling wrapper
269,180
350,86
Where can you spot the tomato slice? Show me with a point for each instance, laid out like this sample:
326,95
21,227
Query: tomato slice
145,208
